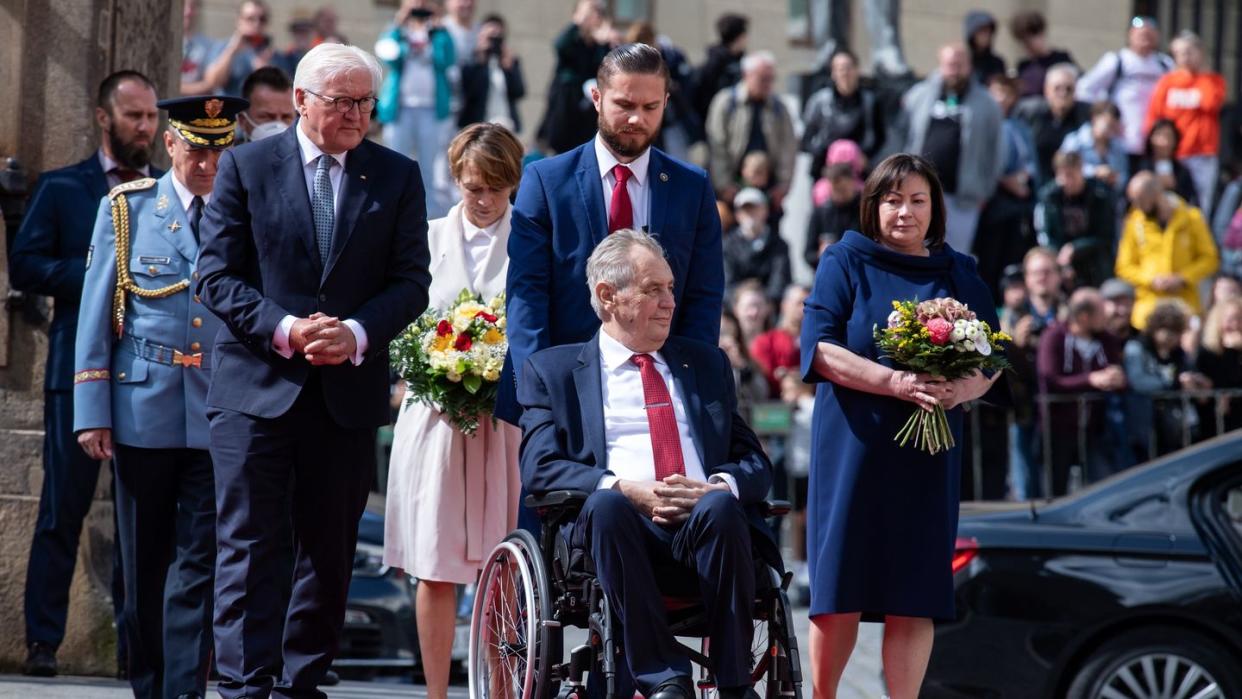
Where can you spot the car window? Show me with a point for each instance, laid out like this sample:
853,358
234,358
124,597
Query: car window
1232,507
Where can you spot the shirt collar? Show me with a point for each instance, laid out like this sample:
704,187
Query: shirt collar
311,152
471,231
108,164
185,196
607,161
613,355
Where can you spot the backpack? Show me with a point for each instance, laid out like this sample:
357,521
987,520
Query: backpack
1119,71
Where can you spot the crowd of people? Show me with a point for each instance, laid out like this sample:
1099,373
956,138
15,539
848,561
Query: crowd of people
1093,206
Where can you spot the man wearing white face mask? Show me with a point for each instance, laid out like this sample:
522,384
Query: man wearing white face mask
271,104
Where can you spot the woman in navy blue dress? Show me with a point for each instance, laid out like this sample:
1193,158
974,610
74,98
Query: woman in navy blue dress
882,519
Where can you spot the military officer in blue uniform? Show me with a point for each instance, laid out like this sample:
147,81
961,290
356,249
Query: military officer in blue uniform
48,258
142,367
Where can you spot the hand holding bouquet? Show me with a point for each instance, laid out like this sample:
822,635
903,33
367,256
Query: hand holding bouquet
941,337
451,359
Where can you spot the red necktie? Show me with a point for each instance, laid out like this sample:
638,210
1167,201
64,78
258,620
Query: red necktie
662,421
621,215
124,174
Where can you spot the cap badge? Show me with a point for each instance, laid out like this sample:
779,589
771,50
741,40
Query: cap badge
213,107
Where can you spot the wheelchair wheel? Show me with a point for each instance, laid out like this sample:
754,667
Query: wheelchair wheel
776,665
508,637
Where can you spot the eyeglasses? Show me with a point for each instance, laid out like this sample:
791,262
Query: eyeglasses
1063,89
345,104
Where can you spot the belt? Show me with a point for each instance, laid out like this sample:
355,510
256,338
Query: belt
170,356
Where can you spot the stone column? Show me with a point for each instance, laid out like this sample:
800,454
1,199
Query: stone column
53,53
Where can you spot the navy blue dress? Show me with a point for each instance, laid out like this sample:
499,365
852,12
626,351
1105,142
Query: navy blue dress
881,519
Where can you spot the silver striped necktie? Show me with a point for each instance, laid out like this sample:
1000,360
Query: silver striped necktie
322,207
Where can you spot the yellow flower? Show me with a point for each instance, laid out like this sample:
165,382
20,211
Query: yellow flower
493,336
441,343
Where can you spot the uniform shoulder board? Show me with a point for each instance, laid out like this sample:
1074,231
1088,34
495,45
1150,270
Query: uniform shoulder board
132,186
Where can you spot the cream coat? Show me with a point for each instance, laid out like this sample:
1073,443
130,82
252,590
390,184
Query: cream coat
451,498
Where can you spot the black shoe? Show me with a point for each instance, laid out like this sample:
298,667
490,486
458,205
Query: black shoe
736,693
679,687
40,660
330,679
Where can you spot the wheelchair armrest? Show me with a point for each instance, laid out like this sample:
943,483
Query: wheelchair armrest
775,508
557,500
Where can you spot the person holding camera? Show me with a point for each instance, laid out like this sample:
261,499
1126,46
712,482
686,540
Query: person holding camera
415,101
247,50
491,81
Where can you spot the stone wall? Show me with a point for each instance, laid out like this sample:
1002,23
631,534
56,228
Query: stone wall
53,53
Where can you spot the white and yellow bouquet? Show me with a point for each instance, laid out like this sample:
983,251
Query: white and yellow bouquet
451,359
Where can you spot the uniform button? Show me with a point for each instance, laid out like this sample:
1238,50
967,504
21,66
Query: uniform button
323,297
197,322
121,376
194,347
152,269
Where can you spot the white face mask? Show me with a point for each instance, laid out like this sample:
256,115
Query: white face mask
267,128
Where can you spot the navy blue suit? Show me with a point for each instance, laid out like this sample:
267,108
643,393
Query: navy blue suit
49,258
273,419
564,448
558,219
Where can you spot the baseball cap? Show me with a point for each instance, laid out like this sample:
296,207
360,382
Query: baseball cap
1115,288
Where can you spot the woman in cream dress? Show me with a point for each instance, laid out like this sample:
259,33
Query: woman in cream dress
451,498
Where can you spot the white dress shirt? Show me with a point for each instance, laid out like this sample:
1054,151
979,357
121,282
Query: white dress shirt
336,175
108,164
185,196
627,433
477,243
638,186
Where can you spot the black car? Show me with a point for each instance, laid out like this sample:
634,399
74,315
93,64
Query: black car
380,636
1128,589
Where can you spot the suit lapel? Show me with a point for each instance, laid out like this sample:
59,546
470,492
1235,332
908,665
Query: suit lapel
688,390
591,400
660,189
172,221
592,191
96,180
291,176
354,192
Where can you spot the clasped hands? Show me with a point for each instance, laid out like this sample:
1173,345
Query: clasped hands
928,391
668,501
325,340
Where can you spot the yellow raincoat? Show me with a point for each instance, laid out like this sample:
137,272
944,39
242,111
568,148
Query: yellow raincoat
1183,247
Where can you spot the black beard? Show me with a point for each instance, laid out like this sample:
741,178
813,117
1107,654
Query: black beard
613,140
128,155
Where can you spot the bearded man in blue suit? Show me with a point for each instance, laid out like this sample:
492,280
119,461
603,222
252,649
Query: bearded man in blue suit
567,204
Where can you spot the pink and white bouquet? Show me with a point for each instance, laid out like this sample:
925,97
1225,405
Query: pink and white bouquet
944,338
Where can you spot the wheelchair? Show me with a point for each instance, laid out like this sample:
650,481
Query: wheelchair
529,592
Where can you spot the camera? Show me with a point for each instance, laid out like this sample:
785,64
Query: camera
421,14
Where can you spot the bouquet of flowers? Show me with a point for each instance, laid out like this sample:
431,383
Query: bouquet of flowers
451,359
941,337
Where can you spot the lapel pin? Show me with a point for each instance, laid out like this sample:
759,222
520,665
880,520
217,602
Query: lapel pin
362,177
174,227
664,177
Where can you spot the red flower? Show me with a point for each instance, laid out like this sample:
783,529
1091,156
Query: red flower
463,342
444,328
485,316
940,329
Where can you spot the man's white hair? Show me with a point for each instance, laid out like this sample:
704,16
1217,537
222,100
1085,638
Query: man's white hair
610,261
755,59
1065,68
327,61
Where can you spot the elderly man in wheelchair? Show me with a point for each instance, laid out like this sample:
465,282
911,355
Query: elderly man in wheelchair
651,492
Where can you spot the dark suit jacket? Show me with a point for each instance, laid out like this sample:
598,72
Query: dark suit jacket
558,219
563,442
259,262
476,84
49,254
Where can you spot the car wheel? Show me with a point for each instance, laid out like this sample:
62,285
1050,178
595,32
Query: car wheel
1153,663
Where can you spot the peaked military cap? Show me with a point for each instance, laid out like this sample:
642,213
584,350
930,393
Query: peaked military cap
207,121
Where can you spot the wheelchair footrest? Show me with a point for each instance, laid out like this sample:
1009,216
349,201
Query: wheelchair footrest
580,662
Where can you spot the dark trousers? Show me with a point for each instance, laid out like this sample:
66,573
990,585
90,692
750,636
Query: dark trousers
264,647
166,518
712,547
69,481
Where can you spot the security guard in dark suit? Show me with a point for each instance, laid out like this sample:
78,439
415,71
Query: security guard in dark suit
142,367
48,258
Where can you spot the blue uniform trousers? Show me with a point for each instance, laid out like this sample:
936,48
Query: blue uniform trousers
166,517
637,561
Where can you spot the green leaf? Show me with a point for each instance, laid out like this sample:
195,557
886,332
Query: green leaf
472,382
